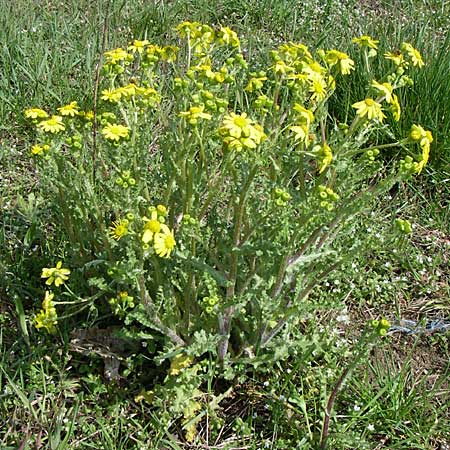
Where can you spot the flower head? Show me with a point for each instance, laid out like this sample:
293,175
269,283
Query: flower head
325,156
111,95
424,139
53,125
366,41
119,228
397,58
114,131
413,54
239,131
179,362
57,274
345,64
138,46
116,55
164,242
227,36
385,89
47,317
370,108
35,113
69,110
151,227
39,149
395,108
194,113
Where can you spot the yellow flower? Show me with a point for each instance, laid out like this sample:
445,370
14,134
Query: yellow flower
228,37
47,317
179,362
424,138
169,53
53,125
164,242
119,228
114,132
151,227
370,108
39,149
281,67
111,95
345,63
318,87
129,90
384,89
305,117
239,131
417,133
89,116
366,41
55,274
325,156
35,113
255,84
195,113
414,55
138,46
395,108
116,55
69,110
396,57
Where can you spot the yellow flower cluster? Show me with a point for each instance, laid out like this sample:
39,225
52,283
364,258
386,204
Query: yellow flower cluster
180,362
238,132
295,63
304,118
148,95
324,156
194,114
201,37
424,138
205,73
155,231
47,317
409,55
344,63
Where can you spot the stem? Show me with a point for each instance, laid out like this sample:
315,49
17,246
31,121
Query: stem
150,307
96,83
365,340
266,337
225,317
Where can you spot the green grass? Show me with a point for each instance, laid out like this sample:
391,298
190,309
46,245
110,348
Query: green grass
48,56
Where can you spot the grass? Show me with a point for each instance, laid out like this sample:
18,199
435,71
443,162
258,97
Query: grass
50,400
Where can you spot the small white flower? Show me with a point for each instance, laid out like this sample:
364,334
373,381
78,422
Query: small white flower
370,427
356,408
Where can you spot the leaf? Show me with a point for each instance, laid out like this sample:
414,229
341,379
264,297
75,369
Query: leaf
219,277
